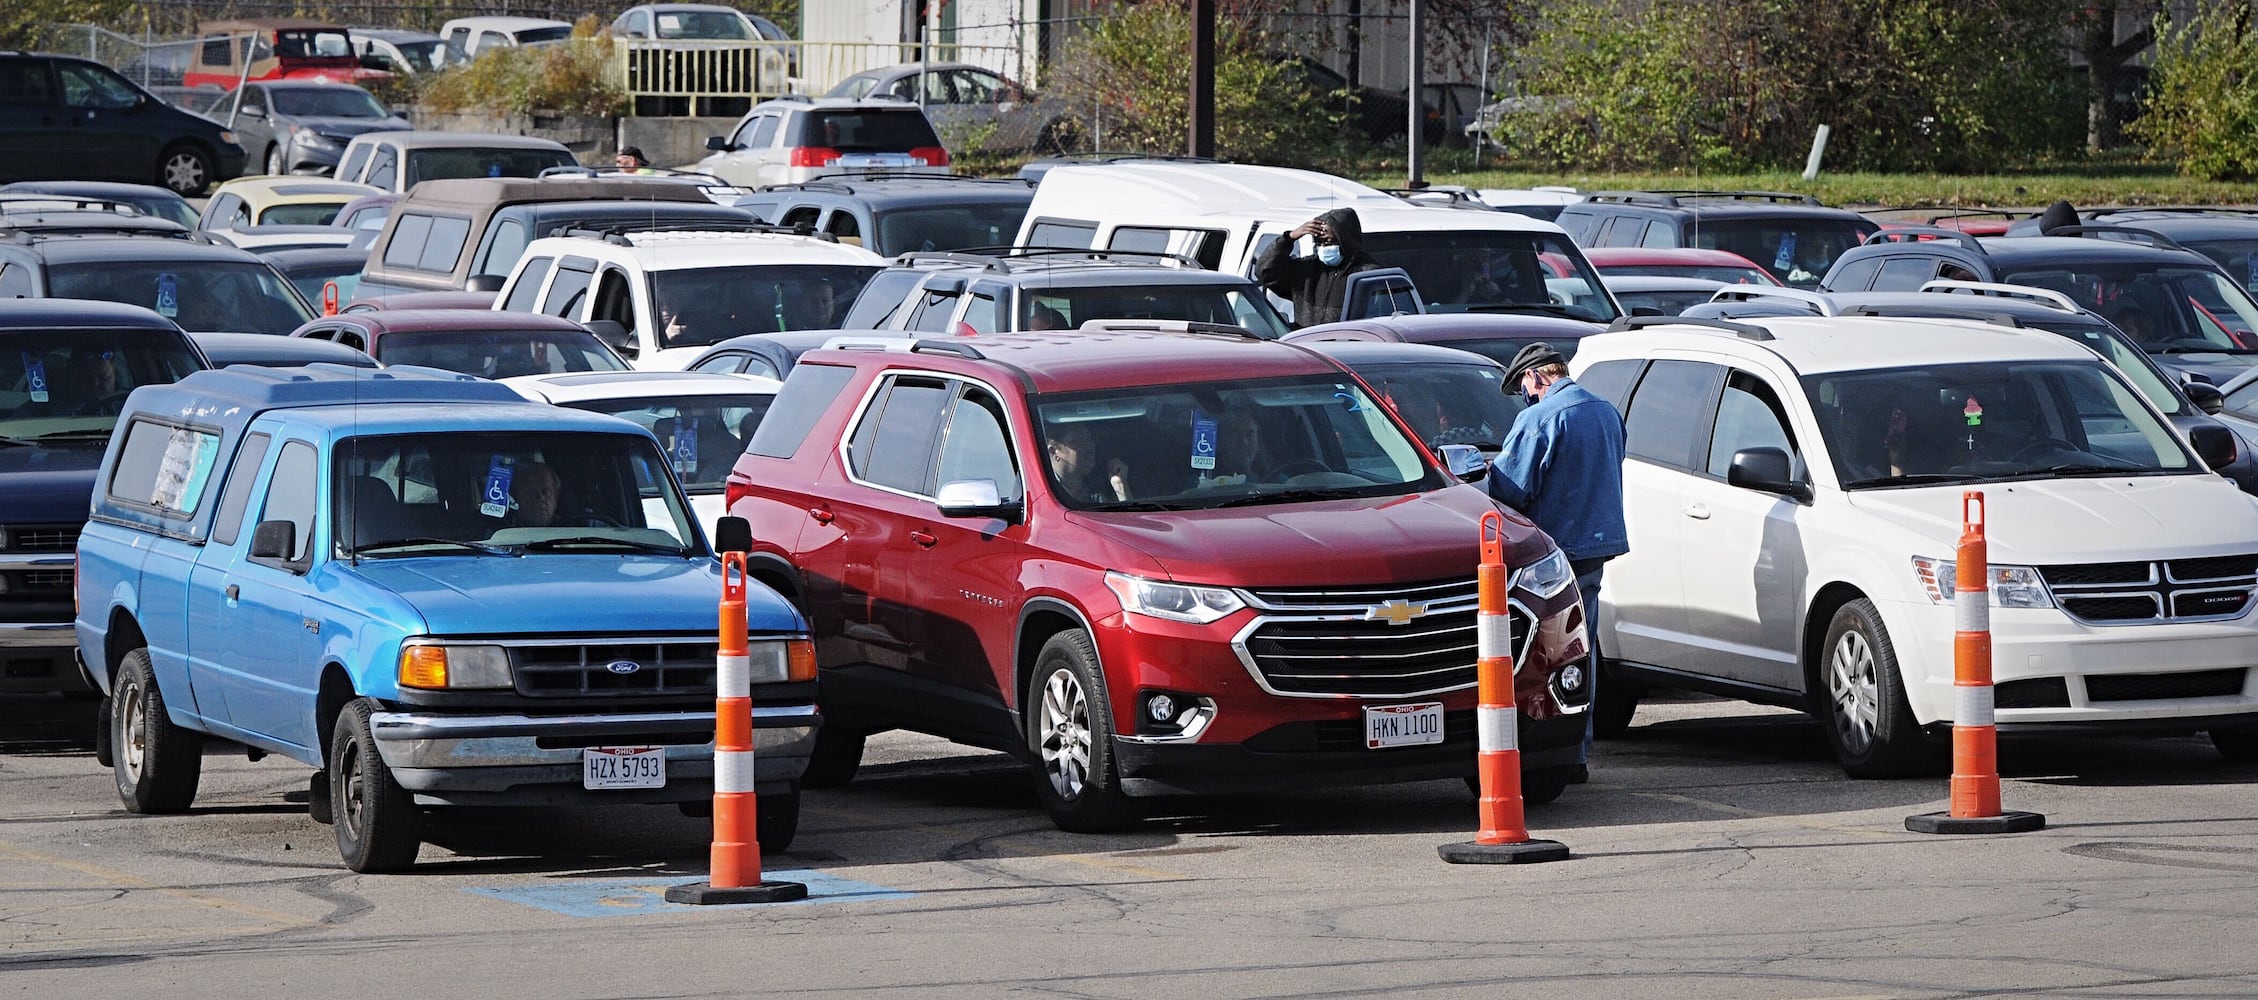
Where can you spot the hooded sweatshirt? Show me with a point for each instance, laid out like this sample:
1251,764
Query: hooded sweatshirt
1316,290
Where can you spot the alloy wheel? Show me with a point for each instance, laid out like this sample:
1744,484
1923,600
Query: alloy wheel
184,172
1066,735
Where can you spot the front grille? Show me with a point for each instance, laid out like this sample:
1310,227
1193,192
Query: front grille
39,538
2203,589
1340,642
2160,687
663,668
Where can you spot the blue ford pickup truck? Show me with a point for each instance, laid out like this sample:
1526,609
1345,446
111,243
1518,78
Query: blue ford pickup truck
433,591
65,368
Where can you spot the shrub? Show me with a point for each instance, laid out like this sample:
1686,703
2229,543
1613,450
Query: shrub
574,78
2204,107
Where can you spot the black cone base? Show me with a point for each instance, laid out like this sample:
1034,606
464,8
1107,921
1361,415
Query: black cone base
1527,852
703,894
2008,821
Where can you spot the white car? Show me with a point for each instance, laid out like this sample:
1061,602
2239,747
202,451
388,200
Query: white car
702,420
796,140
1794,499
661,298
477,34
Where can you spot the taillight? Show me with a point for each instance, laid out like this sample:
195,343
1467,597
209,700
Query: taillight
931,156
813,156
733,491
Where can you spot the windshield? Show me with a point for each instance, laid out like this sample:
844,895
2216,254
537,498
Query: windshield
1665,303
704,305
203,296
2130,360
1068,308
1488,271
948,227
499,354
312,213
1446,403
1797,250
2166,310
312,45
1706,272
435,164
536,36
515,493
702,436
68,386
327,102
702,24
1985,422
1224,443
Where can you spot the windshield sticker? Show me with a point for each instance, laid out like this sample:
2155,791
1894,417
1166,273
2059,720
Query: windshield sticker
35,375
495,502
684,447
168,295
1974,411
1786,256
1204,438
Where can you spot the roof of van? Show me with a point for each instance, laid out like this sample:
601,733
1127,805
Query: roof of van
235,395
1170,190
1817,345
479,192
426,139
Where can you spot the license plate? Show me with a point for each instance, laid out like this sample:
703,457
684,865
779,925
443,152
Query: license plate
1403,725
623,767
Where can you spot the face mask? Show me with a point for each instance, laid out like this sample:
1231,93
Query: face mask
1329,255
1530,398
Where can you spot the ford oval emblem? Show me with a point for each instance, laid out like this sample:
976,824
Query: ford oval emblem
623,666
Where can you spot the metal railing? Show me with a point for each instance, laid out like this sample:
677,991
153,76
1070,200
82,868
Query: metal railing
663,76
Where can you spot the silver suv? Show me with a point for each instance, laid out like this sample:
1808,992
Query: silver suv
792,140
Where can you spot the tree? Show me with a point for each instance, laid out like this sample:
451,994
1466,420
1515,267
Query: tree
2106,57
30,24
2204,108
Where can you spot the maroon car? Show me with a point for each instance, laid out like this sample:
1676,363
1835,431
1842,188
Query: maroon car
472,341
1492,335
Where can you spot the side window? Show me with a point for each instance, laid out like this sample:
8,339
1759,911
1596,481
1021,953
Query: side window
1659,234
528,285
352,339
354,158
764,132
639,24
844,225
15,281
94,88
977,446
409,235
164,468
986,314
1579,225
934,311
253,99
26,82
1070,235
1749,415
893,446
1142,239
503,247
1669,415
1856,276
236,495
804,215
445,244
874,309
214,51
290,497
807,395
383,168
614,301
1905,274
566,291
492,40
1611,380
724,364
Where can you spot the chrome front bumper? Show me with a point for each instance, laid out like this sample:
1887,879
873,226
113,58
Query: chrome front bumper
449,759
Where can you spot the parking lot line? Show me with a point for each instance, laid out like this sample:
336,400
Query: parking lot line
128,880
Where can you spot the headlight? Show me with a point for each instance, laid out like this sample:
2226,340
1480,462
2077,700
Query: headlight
2011,586
316,140
1174,602
442,666
1546,577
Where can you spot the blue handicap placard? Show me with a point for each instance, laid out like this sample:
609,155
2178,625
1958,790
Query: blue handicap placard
168,295
684,447
1204,439
35,377
495,500
1786,257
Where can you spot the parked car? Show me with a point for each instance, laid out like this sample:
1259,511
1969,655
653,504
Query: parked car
65,370
423,300
302,127
1041,289
961,99
24,214
477,342
1495,337
793,140
224,349
275,48
2228,236
198,284
474,35
406,53
396,160
1446,396
661,298
149,198
1795,492
701,420
311,271
268,201
1791,235
1973,221
1679,262
970,573
1650,295
2239,410
893,215
480,572
772,355
366,212
77,120
276,238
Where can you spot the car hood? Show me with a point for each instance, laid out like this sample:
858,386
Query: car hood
555,593
2219,367
1393,539
47,484
2050,522
350,126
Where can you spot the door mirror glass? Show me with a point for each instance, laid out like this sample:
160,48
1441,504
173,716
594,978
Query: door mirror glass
974,498
274,540
1465,461
719,144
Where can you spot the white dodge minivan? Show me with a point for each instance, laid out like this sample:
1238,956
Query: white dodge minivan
1794,493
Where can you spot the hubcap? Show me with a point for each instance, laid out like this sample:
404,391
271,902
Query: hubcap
1856,692
1065,732
183,173
136,742
349,766
274,161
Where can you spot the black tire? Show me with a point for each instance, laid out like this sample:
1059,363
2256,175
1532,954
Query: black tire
274,160
836,757
157,764
1070,738
1862,699
376,820
2238,745
1617,702
1537,787
776,820
185,170
102,726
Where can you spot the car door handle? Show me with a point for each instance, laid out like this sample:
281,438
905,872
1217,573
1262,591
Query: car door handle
1699,512
822,516
924,538
232,591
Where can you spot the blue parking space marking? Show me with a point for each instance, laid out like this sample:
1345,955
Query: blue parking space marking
641,897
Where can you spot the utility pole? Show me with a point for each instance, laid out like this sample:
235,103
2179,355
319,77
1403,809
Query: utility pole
1202,139
1416,92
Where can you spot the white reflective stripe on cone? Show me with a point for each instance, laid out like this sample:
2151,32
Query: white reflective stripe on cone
1493,636
733,676
1971,611
1497,729
732,771
1971,705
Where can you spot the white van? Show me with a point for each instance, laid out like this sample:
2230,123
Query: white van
1225,214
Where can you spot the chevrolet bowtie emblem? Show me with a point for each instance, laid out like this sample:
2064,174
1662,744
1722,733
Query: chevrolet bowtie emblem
1395,612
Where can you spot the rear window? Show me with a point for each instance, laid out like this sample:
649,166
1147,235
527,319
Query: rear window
61,388
164,467
499,355
1797,250
806,396
427,242
303,214
948,227
874,130
434,164
203,296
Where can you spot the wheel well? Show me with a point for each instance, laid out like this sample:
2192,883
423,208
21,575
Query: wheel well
1831,599
779,582
1036,630
336,693
124,637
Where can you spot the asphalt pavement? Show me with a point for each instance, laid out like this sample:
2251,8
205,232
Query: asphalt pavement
1718,852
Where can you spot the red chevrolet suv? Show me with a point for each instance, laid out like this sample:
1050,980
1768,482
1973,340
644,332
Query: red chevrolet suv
1146,563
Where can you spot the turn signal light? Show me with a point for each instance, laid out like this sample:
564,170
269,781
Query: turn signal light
813,156
799,660
423,667
931,156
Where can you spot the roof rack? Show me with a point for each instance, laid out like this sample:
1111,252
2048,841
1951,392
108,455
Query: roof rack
1877,311
1169,326
795,98
1000,258
1447,196
1674,197
2170,210
1745,331
1922,234
2125,233
904,345
30,201
845,184
1991,289
616,233
1820,302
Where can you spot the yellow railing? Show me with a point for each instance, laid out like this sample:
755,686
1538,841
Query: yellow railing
701,69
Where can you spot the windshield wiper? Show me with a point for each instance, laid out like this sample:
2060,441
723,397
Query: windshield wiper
1547,308
599,541
1909,478
81,435
454,543
1292,496
1137,505
2091,469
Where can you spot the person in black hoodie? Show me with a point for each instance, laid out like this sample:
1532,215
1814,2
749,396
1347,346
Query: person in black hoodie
1316,283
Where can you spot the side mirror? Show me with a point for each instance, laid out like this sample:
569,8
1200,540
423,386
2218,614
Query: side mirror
1465,462
2214,444
733,534
485,282
974,498
613,334
719,144
1767,470
276,539
2205,396
253,111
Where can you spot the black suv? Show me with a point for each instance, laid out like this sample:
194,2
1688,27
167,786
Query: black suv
2175,303
1791,235
1006,289
2229,236
901,213
65,118
196,281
